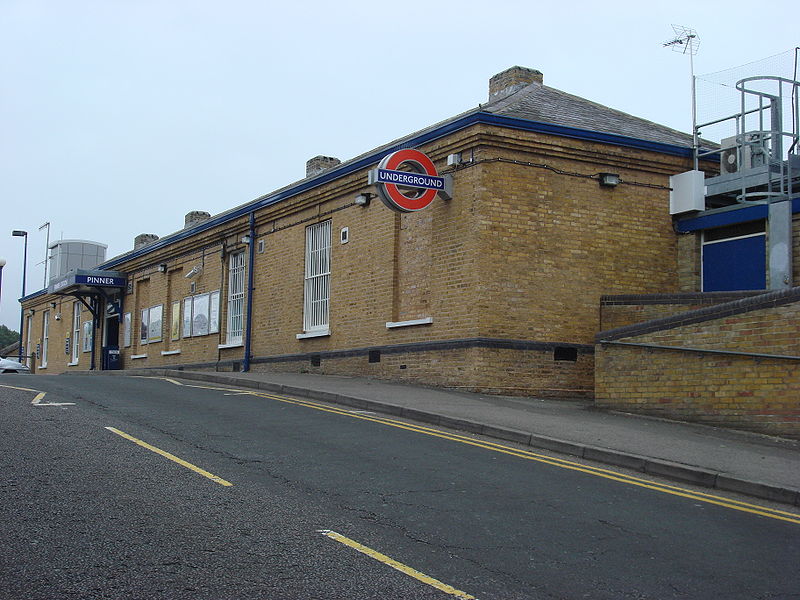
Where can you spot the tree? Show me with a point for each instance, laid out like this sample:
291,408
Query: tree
7,336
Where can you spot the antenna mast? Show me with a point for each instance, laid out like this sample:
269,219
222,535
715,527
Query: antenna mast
686,41
46,251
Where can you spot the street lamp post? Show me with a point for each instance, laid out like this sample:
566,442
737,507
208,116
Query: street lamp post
2,264
18,233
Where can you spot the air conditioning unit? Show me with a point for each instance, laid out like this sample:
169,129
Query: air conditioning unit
743,152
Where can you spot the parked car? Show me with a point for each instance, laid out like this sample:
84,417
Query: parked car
8,365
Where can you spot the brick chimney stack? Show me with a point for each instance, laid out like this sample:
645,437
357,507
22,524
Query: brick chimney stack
511,80
319,164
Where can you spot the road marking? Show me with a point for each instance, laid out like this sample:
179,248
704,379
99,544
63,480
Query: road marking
542,458
13,387
40,396
556,462
37,401
396,565
162,378
171,457
361,412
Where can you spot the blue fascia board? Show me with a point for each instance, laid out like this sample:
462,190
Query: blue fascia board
471,118
733,216
33,295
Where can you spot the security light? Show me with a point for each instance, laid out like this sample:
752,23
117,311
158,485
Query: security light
363,199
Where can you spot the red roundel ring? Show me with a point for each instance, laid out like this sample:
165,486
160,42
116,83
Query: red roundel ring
403,202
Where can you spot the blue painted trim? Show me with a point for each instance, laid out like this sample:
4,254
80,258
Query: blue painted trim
251,263
471,118
33,295
729,217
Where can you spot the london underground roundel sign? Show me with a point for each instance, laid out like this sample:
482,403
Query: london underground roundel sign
407,181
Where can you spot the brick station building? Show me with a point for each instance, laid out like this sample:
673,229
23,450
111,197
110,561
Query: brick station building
556,202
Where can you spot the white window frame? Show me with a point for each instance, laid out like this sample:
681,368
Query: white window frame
45,338
234,328
316,290
76,332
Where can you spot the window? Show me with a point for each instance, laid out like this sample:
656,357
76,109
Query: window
200,314
317,277
45,336
236,286
152,324
126,330
76,332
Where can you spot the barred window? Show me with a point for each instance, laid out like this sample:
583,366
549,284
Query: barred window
236,285
316,302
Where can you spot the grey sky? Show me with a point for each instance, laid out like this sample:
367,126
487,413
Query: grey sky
118,117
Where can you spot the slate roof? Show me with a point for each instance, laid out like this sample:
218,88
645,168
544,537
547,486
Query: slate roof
537,102
532,102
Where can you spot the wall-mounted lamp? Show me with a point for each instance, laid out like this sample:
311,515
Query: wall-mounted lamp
245,239
31,312
609,179
57,317
162,268
194,272
363,199
52,305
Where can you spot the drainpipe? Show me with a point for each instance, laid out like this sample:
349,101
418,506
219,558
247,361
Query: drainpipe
250,264
94,331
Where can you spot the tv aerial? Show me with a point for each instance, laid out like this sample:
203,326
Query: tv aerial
685,40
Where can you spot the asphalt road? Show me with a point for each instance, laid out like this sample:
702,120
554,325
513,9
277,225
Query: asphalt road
91,512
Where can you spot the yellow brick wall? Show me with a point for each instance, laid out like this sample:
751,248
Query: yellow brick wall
523,251
552,244
689,262
515,372
756,393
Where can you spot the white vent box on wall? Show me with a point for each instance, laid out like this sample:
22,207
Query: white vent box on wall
687,193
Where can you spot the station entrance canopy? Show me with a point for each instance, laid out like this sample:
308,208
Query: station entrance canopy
83,282
99,291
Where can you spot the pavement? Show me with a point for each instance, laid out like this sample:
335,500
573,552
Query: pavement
747,463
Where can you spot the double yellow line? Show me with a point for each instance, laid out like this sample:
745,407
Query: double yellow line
755,509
